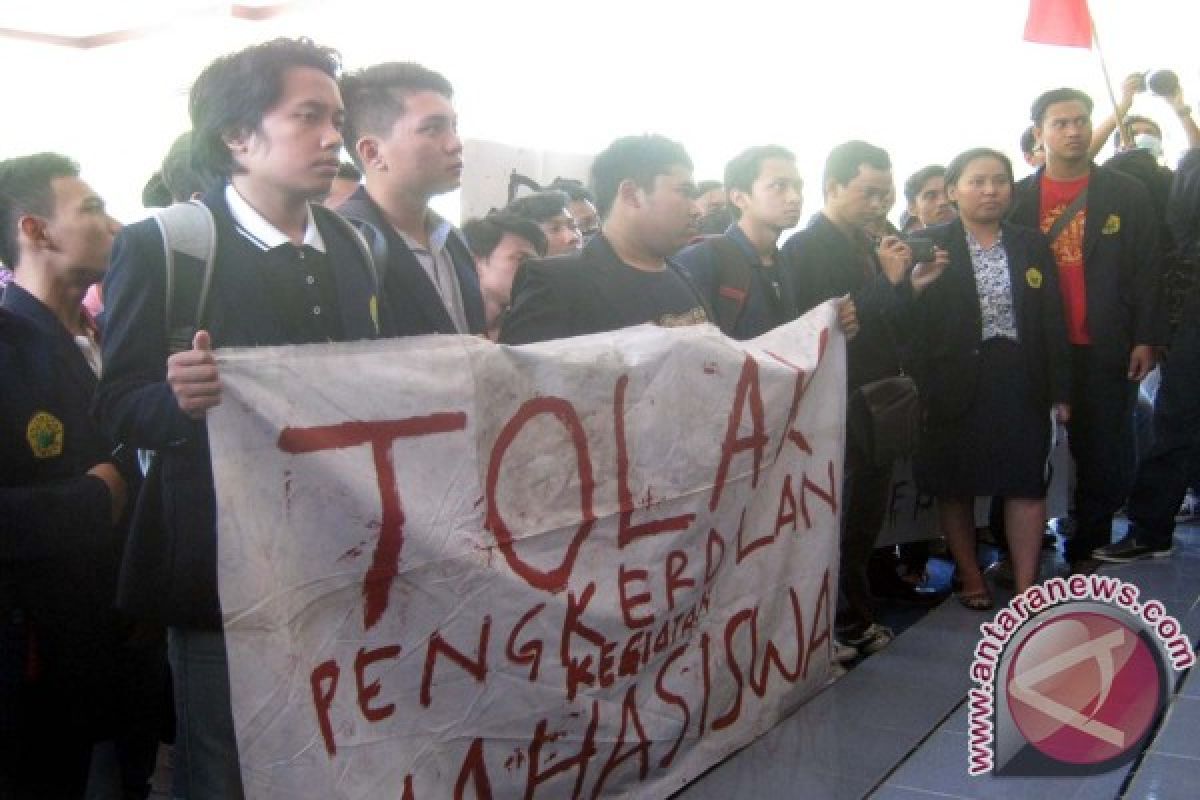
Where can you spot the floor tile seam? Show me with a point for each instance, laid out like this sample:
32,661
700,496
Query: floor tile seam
920,743
1132,782
1135,766
919,790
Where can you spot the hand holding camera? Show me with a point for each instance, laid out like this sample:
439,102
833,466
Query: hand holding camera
929,270
895,257
1162,83
921,247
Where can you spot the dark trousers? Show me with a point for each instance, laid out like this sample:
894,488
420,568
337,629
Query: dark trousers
1165,471
1100,435
206,755
864,504
49,723
48,753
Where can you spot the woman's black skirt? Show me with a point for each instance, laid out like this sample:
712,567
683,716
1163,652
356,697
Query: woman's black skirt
1000,446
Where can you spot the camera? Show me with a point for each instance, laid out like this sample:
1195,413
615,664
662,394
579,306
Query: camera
1163,83
922,248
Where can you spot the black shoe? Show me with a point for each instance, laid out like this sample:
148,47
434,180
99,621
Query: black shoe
1064,526
1002,573
1082,566
887,585
1130,549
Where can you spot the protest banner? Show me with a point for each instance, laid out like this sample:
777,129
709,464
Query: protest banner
583,568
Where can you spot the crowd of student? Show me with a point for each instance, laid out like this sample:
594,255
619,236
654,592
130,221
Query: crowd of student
1007,301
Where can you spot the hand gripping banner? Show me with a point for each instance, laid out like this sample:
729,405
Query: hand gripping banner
592,567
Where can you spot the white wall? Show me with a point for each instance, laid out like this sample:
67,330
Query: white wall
925,79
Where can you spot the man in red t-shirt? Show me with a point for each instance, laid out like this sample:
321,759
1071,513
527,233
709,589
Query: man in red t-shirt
1105,243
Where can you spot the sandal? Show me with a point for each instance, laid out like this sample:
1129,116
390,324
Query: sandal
976,601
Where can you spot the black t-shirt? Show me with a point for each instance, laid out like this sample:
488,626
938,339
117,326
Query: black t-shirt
595,291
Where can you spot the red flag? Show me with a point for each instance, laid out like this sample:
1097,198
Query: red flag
1065,22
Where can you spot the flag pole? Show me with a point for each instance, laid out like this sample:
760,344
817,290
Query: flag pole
1122,127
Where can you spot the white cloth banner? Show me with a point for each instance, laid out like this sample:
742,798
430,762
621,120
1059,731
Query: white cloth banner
589,567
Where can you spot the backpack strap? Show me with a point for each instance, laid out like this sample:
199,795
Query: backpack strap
1069,213
734,274
371,244
187,230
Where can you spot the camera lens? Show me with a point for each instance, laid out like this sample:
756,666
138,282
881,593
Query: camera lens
1163,83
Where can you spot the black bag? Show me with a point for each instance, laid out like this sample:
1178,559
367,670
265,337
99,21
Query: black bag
885,419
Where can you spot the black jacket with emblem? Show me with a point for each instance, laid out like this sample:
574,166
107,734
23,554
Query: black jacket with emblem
59,550
1122,262
947,324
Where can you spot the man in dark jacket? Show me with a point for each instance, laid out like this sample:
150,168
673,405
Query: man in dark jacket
835,257
402,131
286,271
66,667
739,272
1105,241
1164,473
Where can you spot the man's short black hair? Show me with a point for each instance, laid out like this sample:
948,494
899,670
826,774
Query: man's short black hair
540,206
182,177
1028,141
1037,113
374,97
743,169
576,191
483,234
25,188
636,158
958,165
844,160
917,181
1131,120
233,93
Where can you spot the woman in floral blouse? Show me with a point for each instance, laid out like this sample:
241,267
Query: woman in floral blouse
991,360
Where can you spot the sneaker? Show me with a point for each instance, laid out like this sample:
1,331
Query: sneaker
1130,549
836,672
843,653
1189,509
872,640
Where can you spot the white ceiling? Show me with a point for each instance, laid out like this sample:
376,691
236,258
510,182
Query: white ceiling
924,79
88,23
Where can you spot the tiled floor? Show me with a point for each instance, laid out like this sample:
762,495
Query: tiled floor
895,728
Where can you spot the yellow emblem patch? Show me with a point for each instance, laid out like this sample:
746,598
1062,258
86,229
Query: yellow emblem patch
1033,276
45,435
1111,225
